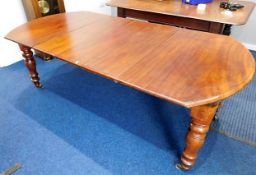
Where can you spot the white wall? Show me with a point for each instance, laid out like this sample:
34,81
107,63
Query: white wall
247,33
11,15
87,5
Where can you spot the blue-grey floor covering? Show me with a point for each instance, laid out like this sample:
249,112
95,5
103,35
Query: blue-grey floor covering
82,124
237,116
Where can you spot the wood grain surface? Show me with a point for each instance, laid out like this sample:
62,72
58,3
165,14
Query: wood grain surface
189,68
177,8
193,69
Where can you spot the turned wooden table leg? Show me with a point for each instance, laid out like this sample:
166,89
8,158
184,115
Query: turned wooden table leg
201,118
31,65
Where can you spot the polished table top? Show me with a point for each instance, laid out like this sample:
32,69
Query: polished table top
189,68
176,8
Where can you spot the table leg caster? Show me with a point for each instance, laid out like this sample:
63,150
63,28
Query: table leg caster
38,85
180,166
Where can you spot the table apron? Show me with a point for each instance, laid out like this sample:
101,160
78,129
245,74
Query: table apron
195,24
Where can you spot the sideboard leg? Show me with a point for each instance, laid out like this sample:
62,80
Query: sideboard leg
31,65
216,27
227,29
201,118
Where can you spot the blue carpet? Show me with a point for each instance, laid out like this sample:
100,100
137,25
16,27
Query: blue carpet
82,124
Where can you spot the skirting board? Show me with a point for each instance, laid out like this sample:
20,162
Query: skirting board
250,46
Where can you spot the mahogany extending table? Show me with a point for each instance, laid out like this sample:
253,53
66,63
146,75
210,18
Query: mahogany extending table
173,12
193,69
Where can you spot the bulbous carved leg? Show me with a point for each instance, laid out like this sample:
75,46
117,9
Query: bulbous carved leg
201,118
31,65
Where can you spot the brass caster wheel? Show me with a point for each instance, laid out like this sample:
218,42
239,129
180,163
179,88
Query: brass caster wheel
39,85
182,167
178,166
